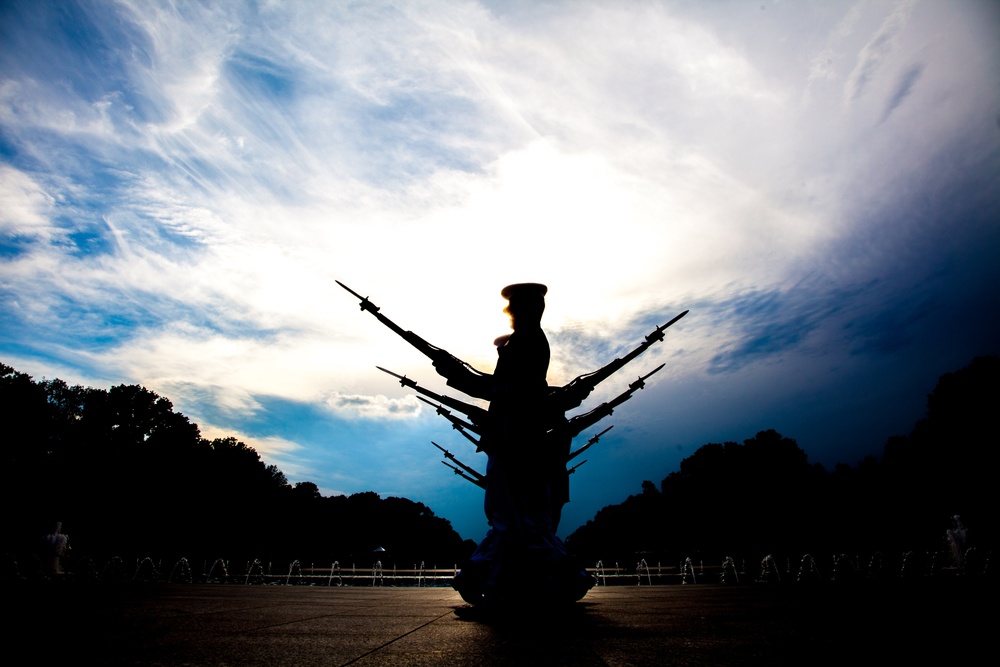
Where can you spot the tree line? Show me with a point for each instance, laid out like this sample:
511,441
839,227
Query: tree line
763,496
130,477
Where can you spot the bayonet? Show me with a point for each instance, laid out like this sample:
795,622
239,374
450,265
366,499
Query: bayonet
457,422
480,483
459,425
469,469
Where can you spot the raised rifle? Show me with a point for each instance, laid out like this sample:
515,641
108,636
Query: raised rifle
590,443
464,471
435,354
459,425
573,426
571,395
481,483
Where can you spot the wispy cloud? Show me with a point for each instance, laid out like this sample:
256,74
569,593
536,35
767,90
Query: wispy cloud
904,86
876,52
373,407
180,184
25,209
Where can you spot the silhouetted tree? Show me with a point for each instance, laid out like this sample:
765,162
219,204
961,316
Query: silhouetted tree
947,464
131,477
763,496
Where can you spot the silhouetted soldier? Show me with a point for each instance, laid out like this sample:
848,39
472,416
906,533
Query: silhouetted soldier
526,435
526,479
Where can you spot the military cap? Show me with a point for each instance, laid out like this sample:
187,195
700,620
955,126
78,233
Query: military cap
523,289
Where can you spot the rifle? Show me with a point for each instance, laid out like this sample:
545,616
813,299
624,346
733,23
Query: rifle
573,426
590,443
478,482
435,354
478,415
459,425
571,395
472,475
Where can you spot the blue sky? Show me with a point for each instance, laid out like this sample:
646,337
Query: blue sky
818,182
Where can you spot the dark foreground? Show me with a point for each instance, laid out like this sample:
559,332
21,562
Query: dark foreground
66,623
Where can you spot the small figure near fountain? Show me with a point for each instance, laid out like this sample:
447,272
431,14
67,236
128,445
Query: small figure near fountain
957,537
56,544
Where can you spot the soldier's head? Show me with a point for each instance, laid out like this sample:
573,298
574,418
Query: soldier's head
526,303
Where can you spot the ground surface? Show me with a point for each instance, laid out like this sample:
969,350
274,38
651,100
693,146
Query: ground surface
67,623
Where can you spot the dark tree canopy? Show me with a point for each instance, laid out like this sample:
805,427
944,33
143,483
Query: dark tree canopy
130,477
763,496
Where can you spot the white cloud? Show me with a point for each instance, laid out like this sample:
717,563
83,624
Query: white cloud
373,407
25,207
602,160
877,51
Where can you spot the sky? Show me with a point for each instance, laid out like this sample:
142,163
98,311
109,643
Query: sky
181,184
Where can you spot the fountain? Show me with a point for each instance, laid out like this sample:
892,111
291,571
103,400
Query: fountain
255,570
906,570
640,566
768,565
808,570
218,573
335,572
420,574
875,568
146,571
181,572
295,568
114,571
687,567
844,569
599,574
729,565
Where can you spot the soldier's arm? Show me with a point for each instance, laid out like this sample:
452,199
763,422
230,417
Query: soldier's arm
462,378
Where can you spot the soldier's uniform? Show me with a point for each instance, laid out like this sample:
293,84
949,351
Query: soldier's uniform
526,480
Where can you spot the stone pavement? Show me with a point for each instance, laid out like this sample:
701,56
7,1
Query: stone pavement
175,624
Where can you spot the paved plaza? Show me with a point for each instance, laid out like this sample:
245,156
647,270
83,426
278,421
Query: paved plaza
204,624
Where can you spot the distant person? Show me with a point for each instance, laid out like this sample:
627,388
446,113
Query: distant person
957,536
56,545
